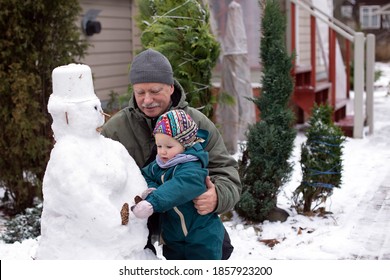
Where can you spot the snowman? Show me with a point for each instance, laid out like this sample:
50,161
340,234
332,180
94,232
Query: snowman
88,180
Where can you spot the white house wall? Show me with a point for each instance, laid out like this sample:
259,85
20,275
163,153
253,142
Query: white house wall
303,44
323,36
303,31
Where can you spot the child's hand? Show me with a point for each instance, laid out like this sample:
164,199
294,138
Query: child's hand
142,209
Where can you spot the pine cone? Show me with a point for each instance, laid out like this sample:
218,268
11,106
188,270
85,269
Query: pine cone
137,199
125,214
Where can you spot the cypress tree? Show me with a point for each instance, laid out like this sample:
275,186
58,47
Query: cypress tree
264,167
321,160
36,37
180,30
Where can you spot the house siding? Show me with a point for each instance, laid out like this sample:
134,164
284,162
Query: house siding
304,45
303,55
112,49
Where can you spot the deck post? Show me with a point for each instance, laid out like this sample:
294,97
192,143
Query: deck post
313,56
370,76
358,82
348,65
332,66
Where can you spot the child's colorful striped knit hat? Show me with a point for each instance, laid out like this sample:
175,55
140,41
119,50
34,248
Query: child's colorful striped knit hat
179,125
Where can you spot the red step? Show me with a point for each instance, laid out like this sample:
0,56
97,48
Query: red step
346,125
306,96
340,110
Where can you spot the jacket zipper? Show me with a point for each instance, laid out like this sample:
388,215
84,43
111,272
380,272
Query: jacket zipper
182,220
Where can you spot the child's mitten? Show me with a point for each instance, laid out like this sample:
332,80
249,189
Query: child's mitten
142,209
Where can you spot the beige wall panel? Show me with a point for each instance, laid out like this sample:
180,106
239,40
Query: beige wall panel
110,82
110,47
305,55
107,10
104,95
109,58
115,23
304,38
111,50
102,71
112,35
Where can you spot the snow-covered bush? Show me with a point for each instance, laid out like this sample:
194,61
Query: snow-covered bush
24,225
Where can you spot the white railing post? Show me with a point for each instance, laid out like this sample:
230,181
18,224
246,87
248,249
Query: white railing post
358,82
370,76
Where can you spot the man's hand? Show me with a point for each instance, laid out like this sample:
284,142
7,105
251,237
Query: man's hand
207,202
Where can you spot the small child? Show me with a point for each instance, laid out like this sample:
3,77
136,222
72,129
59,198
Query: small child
175,178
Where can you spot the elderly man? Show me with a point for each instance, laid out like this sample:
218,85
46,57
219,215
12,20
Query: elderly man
155,91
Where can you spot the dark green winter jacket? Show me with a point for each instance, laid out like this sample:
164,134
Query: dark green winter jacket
133,129
186,234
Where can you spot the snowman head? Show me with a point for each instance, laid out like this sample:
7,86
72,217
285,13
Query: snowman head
73,105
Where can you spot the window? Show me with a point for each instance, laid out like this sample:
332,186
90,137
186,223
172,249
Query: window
368,18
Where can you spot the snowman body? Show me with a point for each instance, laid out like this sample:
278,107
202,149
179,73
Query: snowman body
87,180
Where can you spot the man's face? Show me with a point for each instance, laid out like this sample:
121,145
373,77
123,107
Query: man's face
153,98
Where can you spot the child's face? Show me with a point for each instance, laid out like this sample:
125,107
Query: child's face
167,147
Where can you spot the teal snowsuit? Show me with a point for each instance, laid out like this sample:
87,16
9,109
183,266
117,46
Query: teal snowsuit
186,234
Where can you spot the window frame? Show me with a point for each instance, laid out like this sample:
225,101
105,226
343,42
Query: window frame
367,19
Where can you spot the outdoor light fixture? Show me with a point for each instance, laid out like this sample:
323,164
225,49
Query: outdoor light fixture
89,24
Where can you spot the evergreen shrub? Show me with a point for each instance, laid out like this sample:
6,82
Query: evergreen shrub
36,37
321,160
265,165
180,30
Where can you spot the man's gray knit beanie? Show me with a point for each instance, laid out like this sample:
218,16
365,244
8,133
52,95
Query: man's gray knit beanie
151,66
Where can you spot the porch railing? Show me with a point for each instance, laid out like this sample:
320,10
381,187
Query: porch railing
364,60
